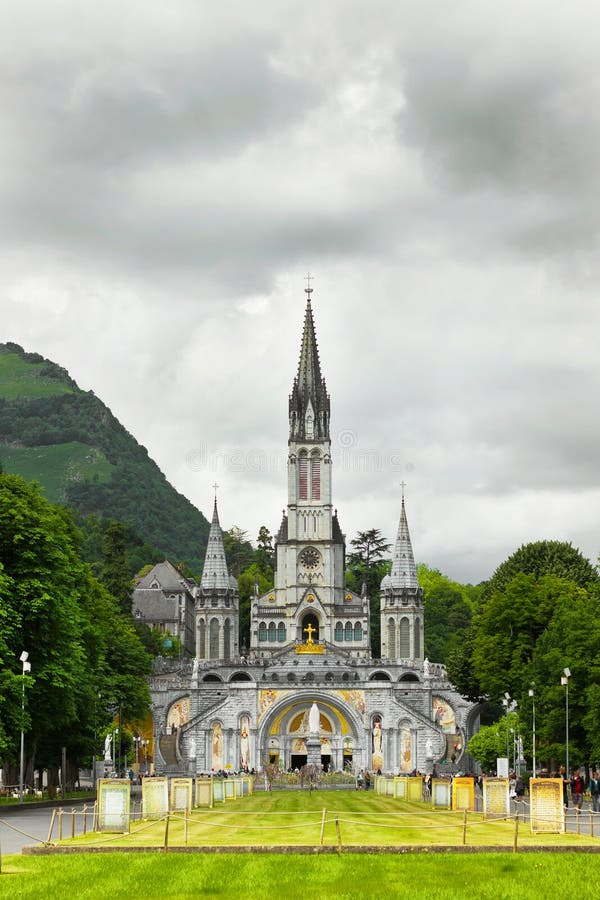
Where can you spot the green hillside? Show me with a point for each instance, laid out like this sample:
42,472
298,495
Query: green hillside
69,441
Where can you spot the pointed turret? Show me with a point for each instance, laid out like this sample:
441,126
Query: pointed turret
214,574
309,406
401,602
404,571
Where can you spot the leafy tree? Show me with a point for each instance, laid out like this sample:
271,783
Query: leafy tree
115,572
448,611
239,552
264,554
367,566
490,742
543,558
80,645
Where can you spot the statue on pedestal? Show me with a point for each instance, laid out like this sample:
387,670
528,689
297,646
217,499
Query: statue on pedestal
428,749
314,718
107,743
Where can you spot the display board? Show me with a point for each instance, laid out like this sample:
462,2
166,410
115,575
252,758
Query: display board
113,804
496,798
441,793
229,788
400,788
218,791
155,797
415,788
547,810
463,793
204,792
181,794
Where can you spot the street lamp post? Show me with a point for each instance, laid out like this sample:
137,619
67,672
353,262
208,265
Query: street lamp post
532,695
136,740
26,668
564,680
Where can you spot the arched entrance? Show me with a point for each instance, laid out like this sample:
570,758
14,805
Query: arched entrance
310,628
285,729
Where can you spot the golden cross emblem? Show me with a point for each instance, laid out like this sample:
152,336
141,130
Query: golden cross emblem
309,630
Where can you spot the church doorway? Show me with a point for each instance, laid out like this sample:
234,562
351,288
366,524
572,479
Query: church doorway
297,760
310,629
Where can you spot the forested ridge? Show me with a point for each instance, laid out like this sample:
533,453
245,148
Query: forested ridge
42,407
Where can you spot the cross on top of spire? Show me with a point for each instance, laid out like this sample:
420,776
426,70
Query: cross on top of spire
308,290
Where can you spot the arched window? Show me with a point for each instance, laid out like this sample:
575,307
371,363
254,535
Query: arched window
281,633
348,631
391,639
227,640
339,632
358,632
201,639
213,639
272,631
315,476
262,631
404,638
417,637
303,475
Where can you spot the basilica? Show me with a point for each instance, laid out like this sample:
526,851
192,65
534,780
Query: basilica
226,707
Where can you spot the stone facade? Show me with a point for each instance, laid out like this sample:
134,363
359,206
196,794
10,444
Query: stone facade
309,642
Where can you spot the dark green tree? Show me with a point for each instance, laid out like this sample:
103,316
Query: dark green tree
366,565
115,574
543,558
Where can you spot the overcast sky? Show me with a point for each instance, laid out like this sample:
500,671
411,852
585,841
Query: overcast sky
169,173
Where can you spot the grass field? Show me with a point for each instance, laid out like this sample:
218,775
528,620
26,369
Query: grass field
20,378
498,876
57,465
294,818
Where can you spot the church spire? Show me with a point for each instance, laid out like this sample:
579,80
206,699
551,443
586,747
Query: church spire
404,571
214,574
309,401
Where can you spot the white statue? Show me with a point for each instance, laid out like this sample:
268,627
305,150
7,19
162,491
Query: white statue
107,743
314,718
377,737
428,749
426,668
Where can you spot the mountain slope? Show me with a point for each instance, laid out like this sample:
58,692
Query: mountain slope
70,442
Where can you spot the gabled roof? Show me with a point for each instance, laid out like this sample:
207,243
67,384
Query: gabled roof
166,576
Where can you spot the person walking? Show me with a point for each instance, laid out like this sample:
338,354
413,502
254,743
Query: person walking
577,789
595,791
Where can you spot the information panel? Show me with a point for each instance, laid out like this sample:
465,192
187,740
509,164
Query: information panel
547,811
204,792
400,788
155,797
218,791
415,788
496,798
181,794
463,793
229,785
441,793
113,804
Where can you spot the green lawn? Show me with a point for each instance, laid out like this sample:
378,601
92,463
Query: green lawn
293,818
497,876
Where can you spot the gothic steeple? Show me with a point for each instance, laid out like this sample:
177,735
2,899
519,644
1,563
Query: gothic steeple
214,573
404,571
309,406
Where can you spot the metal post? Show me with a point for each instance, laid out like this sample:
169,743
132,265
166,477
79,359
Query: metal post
532,695
564,680
26,668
